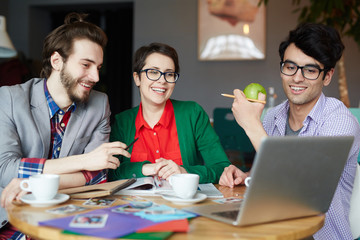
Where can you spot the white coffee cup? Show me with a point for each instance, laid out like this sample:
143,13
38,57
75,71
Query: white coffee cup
44,187
185,185
247,181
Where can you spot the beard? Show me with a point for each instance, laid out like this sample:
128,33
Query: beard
70,84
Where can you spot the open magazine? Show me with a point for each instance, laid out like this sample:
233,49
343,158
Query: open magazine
147,186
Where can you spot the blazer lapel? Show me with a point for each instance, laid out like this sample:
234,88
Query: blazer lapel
72,129
40,112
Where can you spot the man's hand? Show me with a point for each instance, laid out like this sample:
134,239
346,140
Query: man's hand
248,115
12,192
245,112
232,176
104,156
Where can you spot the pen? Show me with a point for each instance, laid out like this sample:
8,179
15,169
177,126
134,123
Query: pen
157,181
131,144
249,99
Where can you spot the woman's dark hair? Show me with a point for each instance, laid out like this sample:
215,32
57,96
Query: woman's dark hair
318,41
143,52
62,39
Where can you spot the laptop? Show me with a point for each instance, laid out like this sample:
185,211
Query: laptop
291,177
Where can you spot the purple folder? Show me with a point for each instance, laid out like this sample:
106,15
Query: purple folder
117,225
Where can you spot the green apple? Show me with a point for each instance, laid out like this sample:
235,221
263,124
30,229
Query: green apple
252,90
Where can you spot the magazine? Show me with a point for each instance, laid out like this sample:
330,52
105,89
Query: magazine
147,186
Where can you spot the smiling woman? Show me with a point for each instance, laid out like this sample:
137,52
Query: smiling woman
173,136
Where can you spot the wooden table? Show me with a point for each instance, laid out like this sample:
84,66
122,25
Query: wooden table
25,218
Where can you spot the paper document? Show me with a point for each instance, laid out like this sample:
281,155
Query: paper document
210,190
146,186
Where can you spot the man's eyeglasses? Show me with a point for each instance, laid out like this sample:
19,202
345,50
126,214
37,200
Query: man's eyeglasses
154,75
308,71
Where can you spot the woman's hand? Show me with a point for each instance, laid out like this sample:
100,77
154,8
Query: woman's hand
162,167
168,168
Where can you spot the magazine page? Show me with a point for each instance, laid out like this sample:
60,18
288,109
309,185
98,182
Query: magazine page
146,186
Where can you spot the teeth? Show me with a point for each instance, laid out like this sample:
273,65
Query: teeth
161,90
297,88
85,85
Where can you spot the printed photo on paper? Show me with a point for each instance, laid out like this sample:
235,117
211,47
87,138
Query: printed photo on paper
89,221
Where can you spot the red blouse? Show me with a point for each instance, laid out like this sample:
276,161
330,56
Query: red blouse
158,142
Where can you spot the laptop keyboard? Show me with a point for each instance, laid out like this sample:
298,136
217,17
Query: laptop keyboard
232,214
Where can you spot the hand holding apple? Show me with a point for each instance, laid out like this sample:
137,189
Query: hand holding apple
251,92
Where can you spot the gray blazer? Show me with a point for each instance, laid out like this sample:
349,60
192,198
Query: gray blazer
25,128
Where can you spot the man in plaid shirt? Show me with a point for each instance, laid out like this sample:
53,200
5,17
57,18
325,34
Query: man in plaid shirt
57,124
308,58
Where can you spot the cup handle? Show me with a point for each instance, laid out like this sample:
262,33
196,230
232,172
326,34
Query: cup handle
26,181
170,180
247,181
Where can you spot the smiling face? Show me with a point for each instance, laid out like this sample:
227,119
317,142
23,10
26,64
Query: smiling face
80,73
299,90
155,93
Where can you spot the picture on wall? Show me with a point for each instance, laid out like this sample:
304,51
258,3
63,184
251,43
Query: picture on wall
231,30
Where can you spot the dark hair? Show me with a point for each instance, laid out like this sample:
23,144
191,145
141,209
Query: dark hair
143,52
62,38
318,41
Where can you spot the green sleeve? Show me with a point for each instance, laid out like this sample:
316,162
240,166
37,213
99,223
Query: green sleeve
201,150
123,130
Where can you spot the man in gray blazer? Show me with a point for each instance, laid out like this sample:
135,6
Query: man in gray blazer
57,124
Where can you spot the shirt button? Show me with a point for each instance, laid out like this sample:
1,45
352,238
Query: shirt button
62,124
154,133
61,112
58,148
157,151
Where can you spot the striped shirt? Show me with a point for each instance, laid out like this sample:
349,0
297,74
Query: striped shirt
329,117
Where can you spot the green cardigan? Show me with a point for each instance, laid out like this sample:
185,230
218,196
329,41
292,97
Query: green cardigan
200,147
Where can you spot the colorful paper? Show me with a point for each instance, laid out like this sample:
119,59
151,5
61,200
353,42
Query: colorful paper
181,225
117,225
150,235
162,213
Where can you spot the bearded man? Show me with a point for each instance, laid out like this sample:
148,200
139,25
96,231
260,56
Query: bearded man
57,124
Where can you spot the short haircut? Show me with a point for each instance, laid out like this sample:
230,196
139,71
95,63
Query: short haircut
62,39
318,41
143,52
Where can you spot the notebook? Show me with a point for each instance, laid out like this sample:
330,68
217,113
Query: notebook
98,190
291,177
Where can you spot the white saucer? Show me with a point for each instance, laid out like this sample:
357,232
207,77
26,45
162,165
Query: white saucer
30,199
179,201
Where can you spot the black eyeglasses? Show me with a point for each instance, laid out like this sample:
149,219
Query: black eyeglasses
154,75
310,72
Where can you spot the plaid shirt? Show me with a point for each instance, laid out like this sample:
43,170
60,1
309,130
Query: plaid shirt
58,120
329,117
